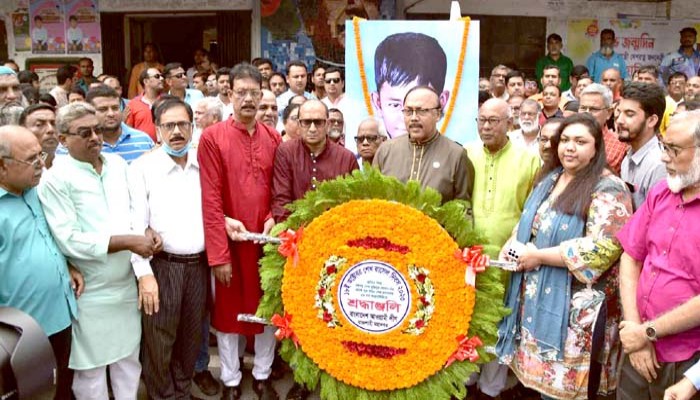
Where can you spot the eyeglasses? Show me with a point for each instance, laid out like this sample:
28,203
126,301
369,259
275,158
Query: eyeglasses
336,122
36,162
673,151
333,80
86,131
591,110
491,121
178,75
421,112
368,138
157,76
181,125
527,114
318,122
242,93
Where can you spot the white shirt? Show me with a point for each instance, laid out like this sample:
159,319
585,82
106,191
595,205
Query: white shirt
168,198
227,109
340,103
518,139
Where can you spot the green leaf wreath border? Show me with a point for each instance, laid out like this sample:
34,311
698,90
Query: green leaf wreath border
454,216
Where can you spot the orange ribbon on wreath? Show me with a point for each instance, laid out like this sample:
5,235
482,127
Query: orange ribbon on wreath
466,350
290,243
475,260
284,328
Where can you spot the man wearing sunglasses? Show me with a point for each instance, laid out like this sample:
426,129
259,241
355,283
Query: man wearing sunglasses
334,84
370,134
176,79
88,208
425,155
138,113
301,164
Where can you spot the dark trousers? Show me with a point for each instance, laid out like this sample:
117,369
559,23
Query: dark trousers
171,337
60,343
633,386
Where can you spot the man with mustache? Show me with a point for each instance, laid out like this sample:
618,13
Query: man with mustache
35,275
40,119
138,113
606,57
658,279
10,97
267,110
87,205
237,154
172,335
425,155
526,136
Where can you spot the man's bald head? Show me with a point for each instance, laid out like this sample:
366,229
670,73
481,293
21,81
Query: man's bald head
19,152
312,104
612,79
493,122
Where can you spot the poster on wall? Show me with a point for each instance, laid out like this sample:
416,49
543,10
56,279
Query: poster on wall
640,42
385,59
82,27
20,29
47,27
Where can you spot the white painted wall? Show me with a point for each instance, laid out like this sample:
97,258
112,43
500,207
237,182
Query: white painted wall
136,6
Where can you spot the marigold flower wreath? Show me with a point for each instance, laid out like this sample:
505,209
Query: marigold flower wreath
359,231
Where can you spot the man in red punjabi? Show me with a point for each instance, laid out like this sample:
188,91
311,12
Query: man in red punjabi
301,164
236,158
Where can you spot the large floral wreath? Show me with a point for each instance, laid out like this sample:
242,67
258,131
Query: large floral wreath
370,347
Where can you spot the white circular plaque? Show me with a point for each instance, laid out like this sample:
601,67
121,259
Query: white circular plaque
374,296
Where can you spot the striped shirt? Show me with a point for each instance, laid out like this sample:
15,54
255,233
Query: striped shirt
130,145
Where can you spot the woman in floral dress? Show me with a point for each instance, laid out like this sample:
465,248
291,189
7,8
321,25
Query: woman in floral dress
561,338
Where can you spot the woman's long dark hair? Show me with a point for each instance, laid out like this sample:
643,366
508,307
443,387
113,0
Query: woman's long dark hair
576,198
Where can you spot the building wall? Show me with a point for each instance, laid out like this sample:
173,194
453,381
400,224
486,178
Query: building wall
136,7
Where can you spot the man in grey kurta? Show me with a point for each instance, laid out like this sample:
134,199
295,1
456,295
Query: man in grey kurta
86,201
424,155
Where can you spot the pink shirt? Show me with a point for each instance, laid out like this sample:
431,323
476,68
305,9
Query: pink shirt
665,234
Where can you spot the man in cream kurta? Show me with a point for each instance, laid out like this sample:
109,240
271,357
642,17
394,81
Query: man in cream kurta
424,155
86,201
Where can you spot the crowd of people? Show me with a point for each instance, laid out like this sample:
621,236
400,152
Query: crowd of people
124,219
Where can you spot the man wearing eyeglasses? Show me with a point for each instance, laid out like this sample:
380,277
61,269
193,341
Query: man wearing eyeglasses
138,113
172,335
370,135
596,99
658,275
176,79
87,205
424,154
640,114
35,275
336,126
301,164
335,85
236,162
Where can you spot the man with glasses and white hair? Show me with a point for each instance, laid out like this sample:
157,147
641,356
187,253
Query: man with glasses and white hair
87,205
658,278
172,335
207,112
425,155
35,276
302,163
237,154
370,135
526,136
596,99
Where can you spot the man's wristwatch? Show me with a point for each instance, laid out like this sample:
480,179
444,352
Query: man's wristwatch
650,331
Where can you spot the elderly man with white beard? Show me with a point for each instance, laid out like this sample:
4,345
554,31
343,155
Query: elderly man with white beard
658,282
526,136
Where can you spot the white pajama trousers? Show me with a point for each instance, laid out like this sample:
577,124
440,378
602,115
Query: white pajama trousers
230,349
91,384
